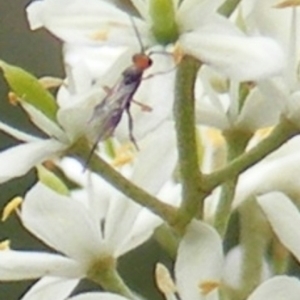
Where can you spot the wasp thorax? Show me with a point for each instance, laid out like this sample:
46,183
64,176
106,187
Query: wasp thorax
142,61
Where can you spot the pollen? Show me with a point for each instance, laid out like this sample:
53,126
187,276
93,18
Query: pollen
164,281
5,245
215,137
263,133
11,207
100,35
13,99
178,53
124,155
287,3
208,286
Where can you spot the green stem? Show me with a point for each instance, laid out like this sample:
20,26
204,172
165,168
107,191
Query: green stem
255,235
236,144
128,188
105,274
284,131
228,7
167,240
184,114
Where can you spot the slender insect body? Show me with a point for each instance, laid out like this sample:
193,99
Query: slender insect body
109,112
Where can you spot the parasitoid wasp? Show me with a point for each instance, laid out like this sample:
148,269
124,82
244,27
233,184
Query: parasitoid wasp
119,97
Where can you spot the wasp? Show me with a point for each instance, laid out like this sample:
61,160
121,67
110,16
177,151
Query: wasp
119,98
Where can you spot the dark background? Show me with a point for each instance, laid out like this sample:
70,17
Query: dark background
39,53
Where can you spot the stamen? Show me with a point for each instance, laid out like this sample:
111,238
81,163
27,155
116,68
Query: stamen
287,3
263,133
215,137
101,35
178,53
13,99
11,207
49,82
208,286
164,281
124,155
5,245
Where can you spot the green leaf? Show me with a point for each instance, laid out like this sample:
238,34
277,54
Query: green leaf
30,90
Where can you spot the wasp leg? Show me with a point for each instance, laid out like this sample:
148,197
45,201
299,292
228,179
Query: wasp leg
130,127
107,89
143,106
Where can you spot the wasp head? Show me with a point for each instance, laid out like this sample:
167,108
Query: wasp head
142,61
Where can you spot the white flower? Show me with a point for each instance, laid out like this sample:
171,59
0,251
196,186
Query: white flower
72,124
97,296
270,174
199,269
223,109
282,25
85,72
284,218
94,224
201,32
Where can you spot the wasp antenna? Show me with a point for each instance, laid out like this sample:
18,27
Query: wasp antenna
137,34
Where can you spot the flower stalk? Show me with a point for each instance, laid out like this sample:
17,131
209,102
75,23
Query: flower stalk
236,143
283,132
128,188
105,274
184,113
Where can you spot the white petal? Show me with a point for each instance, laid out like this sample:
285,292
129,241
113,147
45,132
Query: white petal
91,21
146,222
98,296
18,160
75,118
277,288
200,259
20,265
19,135
62,223
193,13
156,160
284,218
258,112
238,57
46,287
268,176
86,64
44,123
207,114
119,220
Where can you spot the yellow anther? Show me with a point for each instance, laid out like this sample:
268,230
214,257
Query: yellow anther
13,99
11,207
215,137
49,82
263,133
178,53
208,286
100,35
5,245
164,280
287,3
124,155
50,165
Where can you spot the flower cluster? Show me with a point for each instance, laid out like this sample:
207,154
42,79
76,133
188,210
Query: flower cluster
177,121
